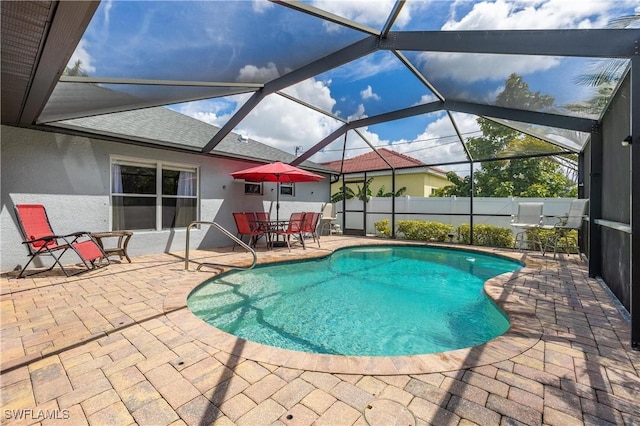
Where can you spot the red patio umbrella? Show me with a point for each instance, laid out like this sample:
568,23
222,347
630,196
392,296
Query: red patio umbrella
276,172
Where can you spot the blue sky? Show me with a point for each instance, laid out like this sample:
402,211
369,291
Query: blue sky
256,41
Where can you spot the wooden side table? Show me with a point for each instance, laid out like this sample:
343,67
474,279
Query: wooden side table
121,246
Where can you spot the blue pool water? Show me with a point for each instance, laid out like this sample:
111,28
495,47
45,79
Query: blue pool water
373,300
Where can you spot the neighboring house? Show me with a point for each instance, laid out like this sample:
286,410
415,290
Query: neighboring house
91,177
418,179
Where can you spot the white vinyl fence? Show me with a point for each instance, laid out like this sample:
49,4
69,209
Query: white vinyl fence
451,210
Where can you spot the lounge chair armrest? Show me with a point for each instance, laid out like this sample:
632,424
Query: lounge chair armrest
78,234
46,238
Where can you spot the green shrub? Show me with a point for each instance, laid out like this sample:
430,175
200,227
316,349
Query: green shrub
383,227
424,231
567,242
486,235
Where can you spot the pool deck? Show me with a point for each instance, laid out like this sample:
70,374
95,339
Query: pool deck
118,346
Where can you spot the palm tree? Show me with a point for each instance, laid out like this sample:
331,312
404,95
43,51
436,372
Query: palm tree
608,72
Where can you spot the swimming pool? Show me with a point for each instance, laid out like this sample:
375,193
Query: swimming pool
370,301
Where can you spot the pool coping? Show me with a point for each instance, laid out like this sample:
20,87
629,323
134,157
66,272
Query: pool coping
525,332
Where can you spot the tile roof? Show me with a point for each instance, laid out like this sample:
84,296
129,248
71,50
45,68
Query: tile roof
371,161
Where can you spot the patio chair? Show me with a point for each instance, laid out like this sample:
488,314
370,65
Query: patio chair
263,216
328,216
246,225
294,227
310,225
572,220
251,217
40,240
528,219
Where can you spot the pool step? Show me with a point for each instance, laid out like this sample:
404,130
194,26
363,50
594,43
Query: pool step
371,253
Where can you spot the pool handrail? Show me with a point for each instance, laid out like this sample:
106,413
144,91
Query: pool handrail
228,234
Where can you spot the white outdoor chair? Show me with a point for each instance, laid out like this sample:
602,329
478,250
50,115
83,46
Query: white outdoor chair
572,220
328,216
529,218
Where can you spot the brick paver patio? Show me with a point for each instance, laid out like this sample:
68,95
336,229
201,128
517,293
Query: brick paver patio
118,346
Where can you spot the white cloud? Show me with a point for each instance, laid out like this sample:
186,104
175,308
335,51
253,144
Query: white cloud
478,67
252,73
371,13
425,99
284,124
539,14
510,15
107,13
214,111
367,94
261,6
314,92
355,146
276,121
358,114
83,56
368,66
439,141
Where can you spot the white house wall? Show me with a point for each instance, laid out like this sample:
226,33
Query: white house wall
70,175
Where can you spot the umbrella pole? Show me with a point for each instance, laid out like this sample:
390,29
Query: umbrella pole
277,243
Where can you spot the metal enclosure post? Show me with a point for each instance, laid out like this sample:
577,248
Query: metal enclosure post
595,205
582,245
471,191
393,203
635,202
343,223
365,190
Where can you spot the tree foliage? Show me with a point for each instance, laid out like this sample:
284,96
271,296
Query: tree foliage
399,193
518,177
75,70
605,73
364,193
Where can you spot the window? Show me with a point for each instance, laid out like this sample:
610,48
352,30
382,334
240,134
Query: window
253,188
152,195
287,189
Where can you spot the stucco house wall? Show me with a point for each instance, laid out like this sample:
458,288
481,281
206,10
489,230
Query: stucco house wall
70,175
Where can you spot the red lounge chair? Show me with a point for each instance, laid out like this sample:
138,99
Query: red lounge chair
245,222
41,240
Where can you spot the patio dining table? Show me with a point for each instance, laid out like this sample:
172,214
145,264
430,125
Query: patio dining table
271,229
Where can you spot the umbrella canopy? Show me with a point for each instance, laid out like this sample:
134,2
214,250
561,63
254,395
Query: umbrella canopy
276,172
